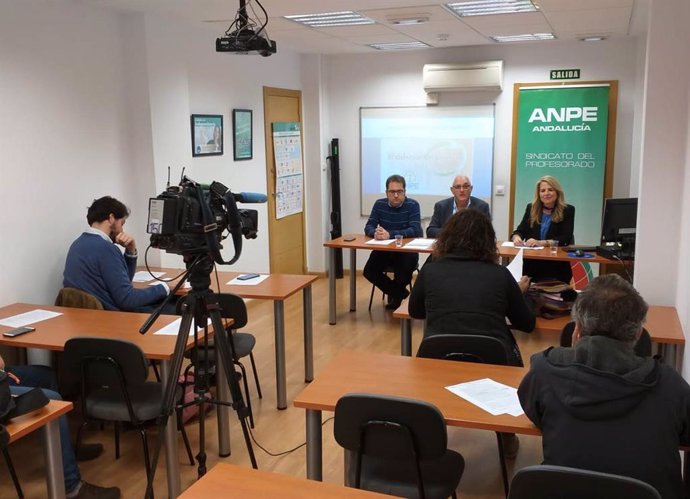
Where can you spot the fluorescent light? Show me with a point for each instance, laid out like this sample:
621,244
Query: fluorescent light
399,46
593,38
328,19
409,20
527,37
488,7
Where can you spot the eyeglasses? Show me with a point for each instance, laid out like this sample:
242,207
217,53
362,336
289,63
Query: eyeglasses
464,187
398,192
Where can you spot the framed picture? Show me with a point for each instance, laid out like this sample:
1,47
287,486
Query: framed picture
242,134
207,134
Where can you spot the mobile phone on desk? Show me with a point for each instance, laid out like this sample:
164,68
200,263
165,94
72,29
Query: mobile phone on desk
18,331
246,277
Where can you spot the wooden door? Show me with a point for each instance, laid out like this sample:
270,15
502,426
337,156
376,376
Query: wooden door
286,235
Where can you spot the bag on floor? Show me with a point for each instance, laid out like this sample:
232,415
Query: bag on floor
552,299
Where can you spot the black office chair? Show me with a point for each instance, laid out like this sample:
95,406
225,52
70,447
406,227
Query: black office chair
112,375
231,307
401,446
558,482
643,347
470,348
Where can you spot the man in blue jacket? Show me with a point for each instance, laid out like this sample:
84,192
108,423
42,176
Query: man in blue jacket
462,198
96,264
392,216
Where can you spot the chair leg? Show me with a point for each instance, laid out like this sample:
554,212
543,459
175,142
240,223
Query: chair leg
13,474
77,444
180,427
117,439
147,460
246,392
501,457
371,297
256,375
154,365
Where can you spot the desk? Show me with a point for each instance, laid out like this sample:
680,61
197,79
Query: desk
662,323
248,483
278,287
359,242
422,379
45,419
52,334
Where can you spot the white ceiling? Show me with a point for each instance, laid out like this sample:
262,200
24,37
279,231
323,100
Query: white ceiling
566,19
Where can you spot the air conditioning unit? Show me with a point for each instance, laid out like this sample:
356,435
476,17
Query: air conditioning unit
487,75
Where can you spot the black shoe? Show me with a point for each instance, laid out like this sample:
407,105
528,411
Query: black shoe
90,491
87,452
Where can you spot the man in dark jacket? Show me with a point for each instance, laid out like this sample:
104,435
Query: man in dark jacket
446,208
602,408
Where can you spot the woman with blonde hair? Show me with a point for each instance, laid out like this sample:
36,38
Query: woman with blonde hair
546,217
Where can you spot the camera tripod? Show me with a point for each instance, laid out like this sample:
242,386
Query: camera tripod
200,305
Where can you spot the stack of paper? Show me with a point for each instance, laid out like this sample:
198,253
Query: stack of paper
146,276
421,243
28,318
511,244
487,394
380,242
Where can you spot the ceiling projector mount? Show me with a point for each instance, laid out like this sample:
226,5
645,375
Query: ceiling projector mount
247,35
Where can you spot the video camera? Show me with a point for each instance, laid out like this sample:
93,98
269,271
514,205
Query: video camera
190,219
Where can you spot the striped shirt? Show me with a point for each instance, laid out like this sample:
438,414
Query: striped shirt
404,220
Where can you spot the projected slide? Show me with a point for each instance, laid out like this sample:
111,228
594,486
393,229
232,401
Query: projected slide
428,146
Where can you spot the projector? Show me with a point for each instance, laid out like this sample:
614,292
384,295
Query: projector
246,41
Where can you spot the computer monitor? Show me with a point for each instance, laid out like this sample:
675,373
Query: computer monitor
619,224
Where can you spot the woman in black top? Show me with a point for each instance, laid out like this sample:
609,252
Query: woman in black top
465,291
546,217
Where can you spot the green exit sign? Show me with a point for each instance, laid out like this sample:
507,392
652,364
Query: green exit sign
565,74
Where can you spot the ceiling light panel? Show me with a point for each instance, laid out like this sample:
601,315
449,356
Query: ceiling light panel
399,46
527,37
327,19
489,7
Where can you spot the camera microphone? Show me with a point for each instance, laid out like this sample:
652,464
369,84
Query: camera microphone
249,197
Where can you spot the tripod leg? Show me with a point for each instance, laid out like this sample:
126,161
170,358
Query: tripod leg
225,352
223,394
170,370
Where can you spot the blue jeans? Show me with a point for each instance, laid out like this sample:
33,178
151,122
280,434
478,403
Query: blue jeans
44,378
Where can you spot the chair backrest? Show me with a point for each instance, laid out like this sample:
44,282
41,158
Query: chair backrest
76,298
390,427
643,347
96,362
231,307
557,482
464,347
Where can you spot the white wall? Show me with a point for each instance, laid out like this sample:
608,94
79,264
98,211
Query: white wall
193,78
395,79
95,102
64,136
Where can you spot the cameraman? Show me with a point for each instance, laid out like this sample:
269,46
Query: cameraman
97,266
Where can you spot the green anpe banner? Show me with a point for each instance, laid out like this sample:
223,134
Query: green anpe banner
562,132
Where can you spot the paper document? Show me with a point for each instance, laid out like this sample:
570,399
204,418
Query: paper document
380,242
421,243
249,282
28,318
515,267
511,244
174,327
487,394
145,276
